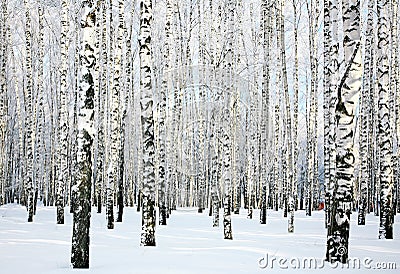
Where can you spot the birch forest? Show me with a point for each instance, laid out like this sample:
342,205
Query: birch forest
228,107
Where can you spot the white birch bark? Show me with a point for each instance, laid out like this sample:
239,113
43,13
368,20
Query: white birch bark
101,109
384,127
123,98
162,108
29,114
288,123
395,85
334,72
39,151
265,105
227,129
326,88
63,145
147,123
295,103
348,92
85,100
365,118
3,96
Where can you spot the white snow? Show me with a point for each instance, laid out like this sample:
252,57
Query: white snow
188,244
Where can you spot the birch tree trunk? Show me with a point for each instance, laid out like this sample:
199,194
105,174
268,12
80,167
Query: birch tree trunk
384,129
201,129
3,101
29,114
348,92
364,116
276,159
288,123
334,71
312,176
101,109
147,122
227,141
121,116
162,107
82,211
295,104
64,172
265,105
396,87
112,117
327,80
74,132
39,151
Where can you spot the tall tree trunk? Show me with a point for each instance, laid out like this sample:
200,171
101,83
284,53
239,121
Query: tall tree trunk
82,211
227,130
121,117
147,122
365,120
74,133
348,92
327,80
265,105
112,126
384,129
64,172
396,87
29,114
295,103
39,151
312,177
162,108
201,130
333,75
288,123
101,109
3,98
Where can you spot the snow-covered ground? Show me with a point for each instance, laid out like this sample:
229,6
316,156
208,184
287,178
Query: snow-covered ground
189,244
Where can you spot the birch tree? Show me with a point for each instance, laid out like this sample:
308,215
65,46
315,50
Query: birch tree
288,122
147,123
112,125
384,129
39,150
29,116
227,129
348,92
333,75
82,211
327,80
63,174
265,105
365,117
162,107
101,108
396,86
122,116
295,102
3,96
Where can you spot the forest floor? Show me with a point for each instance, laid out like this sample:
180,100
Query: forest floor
189,244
